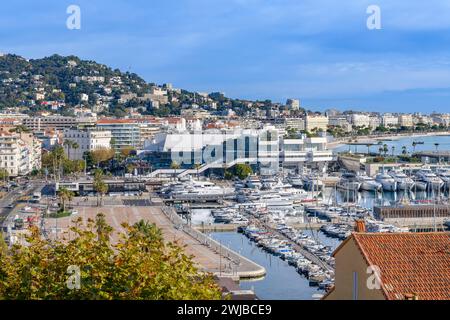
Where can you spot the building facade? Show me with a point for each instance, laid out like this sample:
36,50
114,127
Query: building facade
86,141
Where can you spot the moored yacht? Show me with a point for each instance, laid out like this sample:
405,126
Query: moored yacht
388,183
403,181
430,178
348,182
368,183
444,174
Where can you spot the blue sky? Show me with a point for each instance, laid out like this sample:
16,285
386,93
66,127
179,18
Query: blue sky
319,51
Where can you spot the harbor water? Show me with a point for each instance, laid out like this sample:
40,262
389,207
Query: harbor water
428,145
282,280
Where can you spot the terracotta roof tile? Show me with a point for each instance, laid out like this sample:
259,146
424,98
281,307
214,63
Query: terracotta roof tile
410,263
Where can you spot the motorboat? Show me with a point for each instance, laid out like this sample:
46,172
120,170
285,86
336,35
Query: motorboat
349,182
444,174
403,181
388,183
368,183
430,178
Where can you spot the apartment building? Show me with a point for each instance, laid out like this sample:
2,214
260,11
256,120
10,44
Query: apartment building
295,123
124,132
20,153
39,124
86,141
389,120
317,122
405,120
359,120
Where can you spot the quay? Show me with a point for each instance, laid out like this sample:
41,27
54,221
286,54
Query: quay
216,227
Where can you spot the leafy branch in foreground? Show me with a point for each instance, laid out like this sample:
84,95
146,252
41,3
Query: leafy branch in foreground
140,265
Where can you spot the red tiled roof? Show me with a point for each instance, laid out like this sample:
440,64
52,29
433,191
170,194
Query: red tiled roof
410,263
116,121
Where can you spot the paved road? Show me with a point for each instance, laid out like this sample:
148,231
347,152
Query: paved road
7,214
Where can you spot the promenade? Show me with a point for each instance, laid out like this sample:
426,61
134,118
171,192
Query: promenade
209,255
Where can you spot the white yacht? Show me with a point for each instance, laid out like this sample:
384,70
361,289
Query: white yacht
403,181
444,174
349,182
368,183
388,183
253,182
430,178
295,181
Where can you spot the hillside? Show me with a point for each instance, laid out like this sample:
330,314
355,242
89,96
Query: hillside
60,84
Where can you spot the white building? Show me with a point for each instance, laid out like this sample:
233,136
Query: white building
124,132
360,120
293,104
264,148
389,120
405,120
317,122
20,153
86,140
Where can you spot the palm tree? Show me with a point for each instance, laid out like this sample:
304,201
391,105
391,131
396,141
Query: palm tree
175,166
100,187
404,151
75,146
414,144
393,150
65,195
385,149
197,166
68,143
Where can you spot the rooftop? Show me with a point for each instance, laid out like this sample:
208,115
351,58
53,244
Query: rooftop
411,264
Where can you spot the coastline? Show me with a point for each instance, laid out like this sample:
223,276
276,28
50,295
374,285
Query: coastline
370,139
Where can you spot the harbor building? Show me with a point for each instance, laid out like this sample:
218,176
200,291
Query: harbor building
265,149
392,266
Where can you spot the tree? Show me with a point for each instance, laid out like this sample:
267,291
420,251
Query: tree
385,149
100,187
243,170
68,143
65,195
4,174
175,166
101,155
127,151
136,265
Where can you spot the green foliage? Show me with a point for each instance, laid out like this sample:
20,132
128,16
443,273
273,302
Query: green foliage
138,266
243,170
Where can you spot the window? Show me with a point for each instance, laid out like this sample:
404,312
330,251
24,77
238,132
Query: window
355,285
